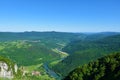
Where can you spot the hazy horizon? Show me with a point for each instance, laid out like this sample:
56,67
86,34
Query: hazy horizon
60,31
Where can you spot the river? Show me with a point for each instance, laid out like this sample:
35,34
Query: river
51,72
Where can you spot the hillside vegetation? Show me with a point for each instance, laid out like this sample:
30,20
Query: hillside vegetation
46,52
106,68
84,51
31,50
26,54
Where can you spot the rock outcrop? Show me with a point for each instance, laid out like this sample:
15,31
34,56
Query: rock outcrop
7,68
4,72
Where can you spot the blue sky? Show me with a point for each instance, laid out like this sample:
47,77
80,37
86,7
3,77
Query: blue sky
60,15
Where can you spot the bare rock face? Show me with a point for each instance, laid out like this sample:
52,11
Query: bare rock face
5,72
15,68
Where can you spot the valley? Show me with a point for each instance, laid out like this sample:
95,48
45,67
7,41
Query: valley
53,55
59,39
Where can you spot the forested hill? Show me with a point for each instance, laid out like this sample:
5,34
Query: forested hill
84,51
8,36
101,35
32,50
106,68
27,53
82,45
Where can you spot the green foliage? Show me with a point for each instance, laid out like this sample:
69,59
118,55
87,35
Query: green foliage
30,77
32,49
29,54
26,53
106,68
84,51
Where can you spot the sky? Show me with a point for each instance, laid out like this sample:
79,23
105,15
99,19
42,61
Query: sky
60,15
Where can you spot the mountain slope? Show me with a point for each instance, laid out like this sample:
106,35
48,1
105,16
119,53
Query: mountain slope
84,51
106,68
27,53
34,49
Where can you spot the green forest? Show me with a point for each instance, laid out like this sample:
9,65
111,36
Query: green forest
59,55
105,68
84,51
